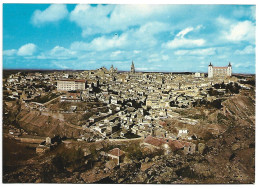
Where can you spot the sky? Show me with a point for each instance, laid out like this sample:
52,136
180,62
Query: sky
168,38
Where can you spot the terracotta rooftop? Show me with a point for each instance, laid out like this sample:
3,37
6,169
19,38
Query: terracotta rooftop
154,141
174,144
225,67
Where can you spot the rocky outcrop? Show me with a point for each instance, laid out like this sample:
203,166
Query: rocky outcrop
240,108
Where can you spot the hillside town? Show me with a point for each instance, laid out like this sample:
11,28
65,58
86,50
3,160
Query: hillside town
100,111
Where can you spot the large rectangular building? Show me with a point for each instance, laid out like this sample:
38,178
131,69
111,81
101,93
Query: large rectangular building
71,85
219,71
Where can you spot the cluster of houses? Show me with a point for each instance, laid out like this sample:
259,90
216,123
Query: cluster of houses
136,101
27,87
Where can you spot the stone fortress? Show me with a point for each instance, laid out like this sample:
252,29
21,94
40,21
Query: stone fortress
219,71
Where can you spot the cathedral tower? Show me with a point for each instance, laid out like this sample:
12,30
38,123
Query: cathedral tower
132,67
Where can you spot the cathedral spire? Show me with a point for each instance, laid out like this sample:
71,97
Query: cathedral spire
132,67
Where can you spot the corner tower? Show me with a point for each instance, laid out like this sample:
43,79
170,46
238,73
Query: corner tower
229,70
210,70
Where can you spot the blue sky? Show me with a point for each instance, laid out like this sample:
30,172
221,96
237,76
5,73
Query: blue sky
156,37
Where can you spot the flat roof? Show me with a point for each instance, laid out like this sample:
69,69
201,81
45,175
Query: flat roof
75,80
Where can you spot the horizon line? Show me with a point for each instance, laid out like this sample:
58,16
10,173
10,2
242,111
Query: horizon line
22,69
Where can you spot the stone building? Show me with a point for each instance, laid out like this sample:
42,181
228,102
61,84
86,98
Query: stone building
71,85
116,155
197,74
219,71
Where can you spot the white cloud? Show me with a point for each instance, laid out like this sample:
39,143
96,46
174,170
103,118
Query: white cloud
165,57
242,31
157,58
27,49
101,43
104,43
80,46
199,27
181,41
247,50
53,13
151,28
10,52
58,53
109,18
116,53
154,58
92,19
136,52
237,65
223,22
182,33
198,52
245,65
148,22
61,52
133,39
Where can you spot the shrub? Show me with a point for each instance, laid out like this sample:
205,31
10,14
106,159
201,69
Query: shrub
68,158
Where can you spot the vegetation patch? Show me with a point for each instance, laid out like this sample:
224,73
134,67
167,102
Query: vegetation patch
45,98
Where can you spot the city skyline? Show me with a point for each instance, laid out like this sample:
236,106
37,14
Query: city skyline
166,38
